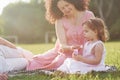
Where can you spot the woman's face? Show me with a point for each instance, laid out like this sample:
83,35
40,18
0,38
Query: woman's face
66,8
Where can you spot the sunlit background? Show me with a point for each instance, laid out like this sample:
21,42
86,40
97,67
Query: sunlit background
17,16
23,21
4,3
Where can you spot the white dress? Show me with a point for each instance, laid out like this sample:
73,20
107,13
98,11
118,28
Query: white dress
73,66
13,59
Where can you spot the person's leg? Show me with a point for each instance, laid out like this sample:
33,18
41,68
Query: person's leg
15,53
11,59
3,65
16,64
65,67
55,63
25,53
10,52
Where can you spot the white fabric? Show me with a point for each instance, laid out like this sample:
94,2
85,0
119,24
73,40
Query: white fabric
16,64
13,59
72,66
9,52
3,65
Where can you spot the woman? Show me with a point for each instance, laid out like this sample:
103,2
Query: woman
11,57
68,16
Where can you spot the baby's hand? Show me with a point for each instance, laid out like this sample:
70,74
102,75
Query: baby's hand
76,57
75,52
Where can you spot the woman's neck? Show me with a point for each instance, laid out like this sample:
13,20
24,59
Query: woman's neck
76,18
73,15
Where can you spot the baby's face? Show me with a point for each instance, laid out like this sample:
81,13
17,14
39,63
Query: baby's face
89,34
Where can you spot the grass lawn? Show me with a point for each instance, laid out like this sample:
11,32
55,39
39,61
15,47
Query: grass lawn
112,58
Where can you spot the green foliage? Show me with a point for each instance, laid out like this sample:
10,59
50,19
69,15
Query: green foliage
32,77
37,48
1,26
111,20
113,15
115,30
27,21
89,76
1,30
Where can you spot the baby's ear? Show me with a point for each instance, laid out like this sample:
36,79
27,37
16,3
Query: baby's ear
96,31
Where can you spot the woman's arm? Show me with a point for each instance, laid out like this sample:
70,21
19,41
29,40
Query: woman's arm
60,32
91,15
98,50
7,43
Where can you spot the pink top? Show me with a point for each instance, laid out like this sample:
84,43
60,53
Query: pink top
52,59
74,34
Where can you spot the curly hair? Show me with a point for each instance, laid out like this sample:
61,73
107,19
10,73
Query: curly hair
53,12
99,25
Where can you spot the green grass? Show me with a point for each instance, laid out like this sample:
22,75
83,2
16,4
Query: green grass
112,58
37,48
113,53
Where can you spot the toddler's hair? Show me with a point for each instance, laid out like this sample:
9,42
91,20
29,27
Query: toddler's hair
99,25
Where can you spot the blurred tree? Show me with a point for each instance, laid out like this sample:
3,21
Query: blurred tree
35,1
1,26
115,30
109,11
27,21
101,5
104,9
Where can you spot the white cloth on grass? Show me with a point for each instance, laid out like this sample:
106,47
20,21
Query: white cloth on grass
13,59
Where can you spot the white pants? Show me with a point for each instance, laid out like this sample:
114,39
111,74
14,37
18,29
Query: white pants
13,59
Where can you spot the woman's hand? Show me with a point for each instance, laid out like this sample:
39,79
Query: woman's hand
63,50
77,47
66,51
7,43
